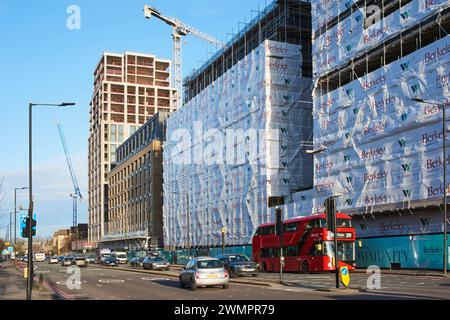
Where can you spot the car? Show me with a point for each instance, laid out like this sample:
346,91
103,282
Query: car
67,261
53,260
204,272
109,261
136,262
61,258
80,262
238,265
155,263
90,259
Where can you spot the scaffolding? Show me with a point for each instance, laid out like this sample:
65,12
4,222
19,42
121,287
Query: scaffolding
286,21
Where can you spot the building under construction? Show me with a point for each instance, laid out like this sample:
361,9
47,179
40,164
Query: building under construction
287,21
381,71
256,91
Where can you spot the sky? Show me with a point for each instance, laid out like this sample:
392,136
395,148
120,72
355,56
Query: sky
44,61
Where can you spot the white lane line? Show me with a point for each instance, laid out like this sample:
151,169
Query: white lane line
111,281
98,285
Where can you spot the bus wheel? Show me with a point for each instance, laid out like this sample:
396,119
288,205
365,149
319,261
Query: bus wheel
305,267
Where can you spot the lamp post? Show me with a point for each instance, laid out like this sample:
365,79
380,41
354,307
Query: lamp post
444,157
30,188
15,212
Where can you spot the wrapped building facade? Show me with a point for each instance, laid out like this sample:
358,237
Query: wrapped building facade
236,144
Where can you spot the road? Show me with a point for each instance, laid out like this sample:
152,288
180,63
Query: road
110,284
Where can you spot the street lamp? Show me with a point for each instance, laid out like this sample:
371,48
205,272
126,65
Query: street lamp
15,212
30,188
444,152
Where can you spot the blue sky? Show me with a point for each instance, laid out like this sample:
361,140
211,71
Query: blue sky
41,60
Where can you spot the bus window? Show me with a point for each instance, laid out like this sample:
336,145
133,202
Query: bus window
291,251
290,227
344,223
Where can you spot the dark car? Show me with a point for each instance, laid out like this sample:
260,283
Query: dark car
238,265
67,261
61,258
156,263
109,261
136,262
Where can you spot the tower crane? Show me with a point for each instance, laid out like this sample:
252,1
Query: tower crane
180,29
76,195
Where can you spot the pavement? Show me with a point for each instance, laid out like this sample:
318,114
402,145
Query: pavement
126,283
13,285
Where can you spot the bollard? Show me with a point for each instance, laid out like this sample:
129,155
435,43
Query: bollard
41,281
25,272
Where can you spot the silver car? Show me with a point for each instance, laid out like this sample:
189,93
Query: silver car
204,272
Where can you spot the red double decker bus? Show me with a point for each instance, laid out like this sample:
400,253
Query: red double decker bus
308,246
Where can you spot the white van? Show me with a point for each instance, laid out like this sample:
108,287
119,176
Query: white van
121,257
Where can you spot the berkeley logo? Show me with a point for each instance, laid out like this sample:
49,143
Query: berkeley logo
284,148
287,81
284,113
405,66
425,221
358,18
349,179
406,167
286,180
349,92
286,98
346,158
285,164
404,117
349,47
407,193
402,143
415,88
405,15
355,111
349,202
283,130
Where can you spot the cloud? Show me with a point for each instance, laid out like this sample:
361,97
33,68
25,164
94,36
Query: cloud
52,186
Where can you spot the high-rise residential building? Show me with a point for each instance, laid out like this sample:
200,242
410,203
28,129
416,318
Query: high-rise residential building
129,88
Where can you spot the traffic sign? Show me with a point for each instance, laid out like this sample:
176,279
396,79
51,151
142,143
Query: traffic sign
345,276
10,249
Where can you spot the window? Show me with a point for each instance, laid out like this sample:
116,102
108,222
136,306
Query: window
133,129
291,251
113,153
113,133
121,136
290,227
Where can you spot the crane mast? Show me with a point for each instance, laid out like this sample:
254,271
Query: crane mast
180,29
76,196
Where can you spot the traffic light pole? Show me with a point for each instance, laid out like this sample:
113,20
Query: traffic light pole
30,208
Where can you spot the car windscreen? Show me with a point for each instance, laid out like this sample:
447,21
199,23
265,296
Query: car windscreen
209,264
239,258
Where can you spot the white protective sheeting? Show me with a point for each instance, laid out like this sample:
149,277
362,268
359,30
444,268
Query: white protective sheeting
382,147
235,144
349,38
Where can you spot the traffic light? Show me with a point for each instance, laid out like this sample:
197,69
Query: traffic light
25,228
330,209
33,227
278,222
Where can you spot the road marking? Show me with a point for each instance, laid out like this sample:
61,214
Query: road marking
98,285
111,281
